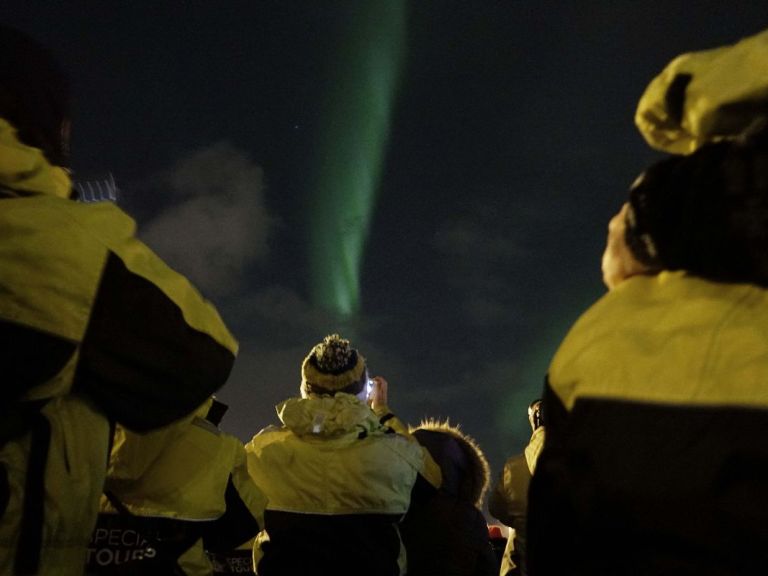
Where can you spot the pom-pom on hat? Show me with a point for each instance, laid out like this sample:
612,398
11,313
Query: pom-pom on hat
332,365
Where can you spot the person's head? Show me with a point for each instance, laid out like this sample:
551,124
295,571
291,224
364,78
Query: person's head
465,469
535,414
705,213
618,261
34,95
334,366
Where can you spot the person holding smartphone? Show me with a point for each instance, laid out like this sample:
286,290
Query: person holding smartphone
339,472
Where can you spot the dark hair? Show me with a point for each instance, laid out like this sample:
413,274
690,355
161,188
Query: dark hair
34,94
706,213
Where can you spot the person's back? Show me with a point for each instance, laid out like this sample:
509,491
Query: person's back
657,411
664,444
94,328
447,534
509,497
337,478
182,490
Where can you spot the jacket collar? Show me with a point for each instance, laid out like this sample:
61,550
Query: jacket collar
24,169
327,416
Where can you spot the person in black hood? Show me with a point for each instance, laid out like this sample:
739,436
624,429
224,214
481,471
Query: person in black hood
447,534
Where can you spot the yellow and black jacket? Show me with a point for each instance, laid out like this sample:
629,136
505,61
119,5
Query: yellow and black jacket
86,307
655,460
508,502
706,96
186,489
338,481
93,327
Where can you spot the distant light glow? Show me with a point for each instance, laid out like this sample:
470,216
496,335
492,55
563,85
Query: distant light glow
354,130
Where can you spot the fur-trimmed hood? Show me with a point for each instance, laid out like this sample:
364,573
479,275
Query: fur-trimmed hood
466,473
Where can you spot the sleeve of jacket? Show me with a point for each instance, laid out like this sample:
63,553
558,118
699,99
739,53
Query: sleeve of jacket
508,501
244,514
705,96
429,469
154,349
106,314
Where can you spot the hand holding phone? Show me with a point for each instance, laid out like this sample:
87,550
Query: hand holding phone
377,395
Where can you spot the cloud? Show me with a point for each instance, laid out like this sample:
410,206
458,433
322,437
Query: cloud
218,226
263,376
280,314
477,251
477,238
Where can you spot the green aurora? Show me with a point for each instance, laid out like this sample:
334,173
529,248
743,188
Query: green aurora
354,128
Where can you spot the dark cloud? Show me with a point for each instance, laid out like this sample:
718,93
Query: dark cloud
216,226
481,250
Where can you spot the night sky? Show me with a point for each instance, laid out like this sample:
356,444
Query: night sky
509,144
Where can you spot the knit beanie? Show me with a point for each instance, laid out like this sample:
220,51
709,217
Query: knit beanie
332,365
34,94
706,213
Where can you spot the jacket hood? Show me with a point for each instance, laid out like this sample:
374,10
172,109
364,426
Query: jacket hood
25,169
466,473
327,416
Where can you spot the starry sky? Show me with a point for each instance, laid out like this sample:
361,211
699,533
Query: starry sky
506,143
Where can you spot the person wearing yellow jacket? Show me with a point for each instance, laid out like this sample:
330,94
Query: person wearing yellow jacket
706,96
656,454
339,474
508,501
185,488
94,328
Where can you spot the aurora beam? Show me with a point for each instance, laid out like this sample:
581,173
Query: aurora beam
353,131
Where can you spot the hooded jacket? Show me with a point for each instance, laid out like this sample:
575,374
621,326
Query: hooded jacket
654,460
93,326
447,534
337,482
706,96
189,478
87,307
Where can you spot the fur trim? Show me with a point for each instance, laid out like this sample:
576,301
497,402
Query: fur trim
477,482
